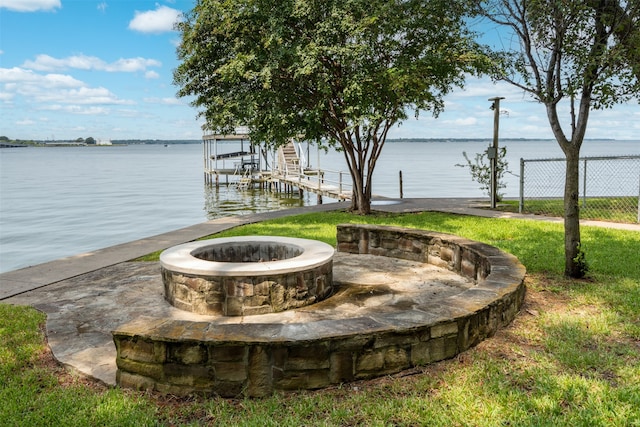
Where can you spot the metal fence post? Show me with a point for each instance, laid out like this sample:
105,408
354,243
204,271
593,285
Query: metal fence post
521,204
584,185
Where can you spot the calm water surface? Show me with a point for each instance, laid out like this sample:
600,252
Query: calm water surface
61,201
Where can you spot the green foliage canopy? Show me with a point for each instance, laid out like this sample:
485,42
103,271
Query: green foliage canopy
337,71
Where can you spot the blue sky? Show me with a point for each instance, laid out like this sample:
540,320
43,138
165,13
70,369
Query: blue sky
78,68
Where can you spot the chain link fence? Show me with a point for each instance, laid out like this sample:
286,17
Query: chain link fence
609,187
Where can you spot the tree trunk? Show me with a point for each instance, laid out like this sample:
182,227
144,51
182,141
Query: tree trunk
574,265
361,193
360,204
573,268
360,197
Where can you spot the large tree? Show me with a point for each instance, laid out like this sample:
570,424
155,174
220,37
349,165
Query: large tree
341,72
573,56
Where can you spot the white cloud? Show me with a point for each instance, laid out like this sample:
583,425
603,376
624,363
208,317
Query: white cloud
466,121
137,114
77,109
30,5
26,122
151,75
49,63
83,62
102,7
81,96
163,101
6,97
53,89
20,76
132,64
156,21
486,88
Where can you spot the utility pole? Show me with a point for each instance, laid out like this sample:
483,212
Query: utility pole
492,152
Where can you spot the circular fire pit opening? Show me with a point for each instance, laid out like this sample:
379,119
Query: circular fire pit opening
240,276
247,252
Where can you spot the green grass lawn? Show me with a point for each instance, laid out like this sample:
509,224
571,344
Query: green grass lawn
572,356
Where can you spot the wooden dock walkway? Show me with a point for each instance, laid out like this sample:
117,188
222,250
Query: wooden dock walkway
290,173
313,181
286,173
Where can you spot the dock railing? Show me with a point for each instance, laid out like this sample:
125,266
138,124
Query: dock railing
326,182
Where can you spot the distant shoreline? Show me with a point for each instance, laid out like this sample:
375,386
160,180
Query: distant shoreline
125,142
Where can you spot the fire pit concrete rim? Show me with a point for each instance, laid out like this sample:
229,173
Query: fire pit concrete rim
182,259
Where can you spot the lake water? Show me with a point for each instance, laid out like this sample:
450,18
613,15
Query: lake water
61,201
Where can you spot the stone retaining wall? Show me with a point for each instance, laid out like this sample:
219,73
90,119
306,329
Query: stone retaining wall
254,359
467,258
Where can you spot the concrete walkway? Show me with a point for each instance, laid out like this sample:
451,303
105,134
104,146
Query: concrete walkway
27,279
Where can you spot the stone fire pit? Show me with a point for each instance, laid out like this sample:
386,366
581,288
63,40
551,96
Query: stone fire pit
241,276
402,298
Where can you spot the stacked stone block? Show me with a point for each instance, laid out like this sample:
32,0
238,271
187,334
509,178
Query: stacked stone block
245,296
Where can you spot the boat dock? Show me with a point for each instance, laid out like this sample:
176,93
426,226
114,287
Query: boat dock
11,145
284,170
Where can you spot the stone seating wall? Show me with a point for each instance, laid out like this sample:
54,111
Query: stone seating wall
253,359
